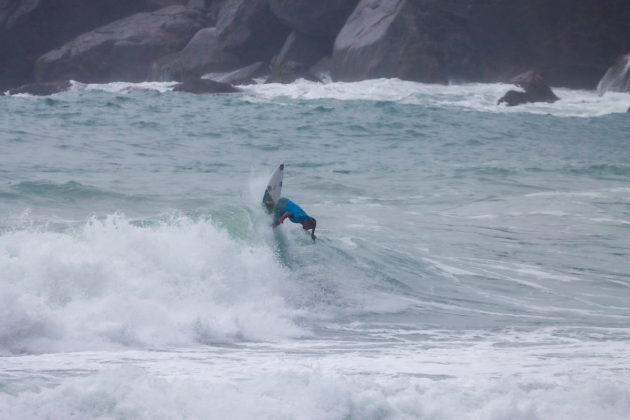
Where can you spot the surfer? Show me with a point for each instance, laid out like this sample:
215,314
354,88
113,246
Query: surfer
286,208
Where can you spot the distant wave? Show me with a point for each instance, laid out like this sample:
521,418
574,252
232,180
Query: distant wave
472,96
67,190
603,170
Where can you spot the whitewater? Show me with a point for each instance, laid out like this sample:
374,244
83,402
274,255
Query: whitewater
472,260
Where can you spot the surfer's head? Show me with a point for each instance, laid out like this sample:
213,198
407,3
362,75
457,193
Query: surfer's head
310,224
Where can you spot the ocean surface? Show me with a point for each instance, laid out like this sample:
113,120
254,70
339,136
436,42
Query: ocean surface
472,261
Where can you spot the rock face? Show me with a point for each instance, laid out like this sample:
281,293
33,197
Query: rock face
122,50
246,32
418,40
535,89
571,41
321,18
29,28
298,54
158,4
202,54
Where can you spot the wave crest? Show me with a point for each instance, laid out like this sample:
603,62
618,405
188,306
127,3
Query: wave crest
116,283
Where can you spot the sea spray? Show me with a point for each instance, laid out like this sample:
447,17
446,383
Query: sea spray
617,78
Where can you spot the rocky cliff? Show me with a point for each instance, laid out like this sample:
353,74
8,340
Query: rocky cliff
571,42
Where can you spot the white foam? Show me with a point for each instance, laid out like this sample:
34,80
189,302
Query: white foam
539,374
472,96
125,87
111,283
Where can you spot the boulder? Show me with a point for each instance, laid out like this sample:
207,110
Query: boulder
203,52
571,41
513,98
322,18
122,50
29,28
419,40
535,89
246,32
535,86
298,54
201,86
42,89
242,76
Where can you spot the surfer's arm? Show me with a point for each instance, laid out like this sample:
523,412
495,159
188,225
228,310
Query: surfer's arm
281,219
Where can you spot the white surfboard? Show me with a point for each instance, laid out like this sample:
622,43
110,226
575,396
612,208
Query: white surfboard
274,187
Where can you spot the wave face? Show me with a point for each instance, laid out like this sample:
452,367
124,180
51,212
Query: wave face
471,260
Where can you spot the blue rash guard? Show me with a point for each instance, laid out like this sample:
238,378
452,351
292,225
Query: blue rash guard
298,215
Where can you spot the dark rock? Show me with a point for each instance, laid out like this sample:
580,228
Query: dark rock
242,76
536,90
202,52
248,29
122,50
42,89
513,98
199,86
413,40
321,18
535,86
246,32
571,41
298,54
196,4
159,4
29,28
